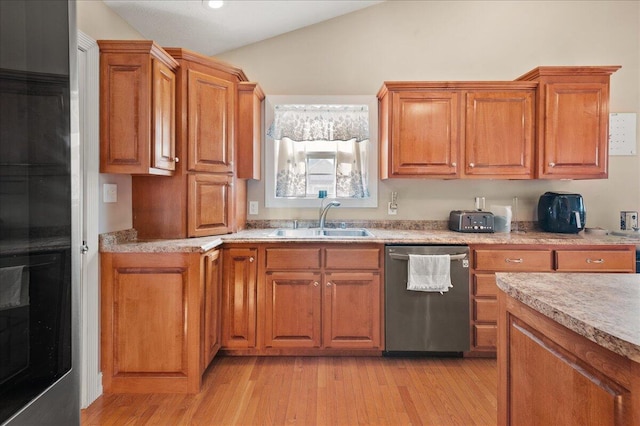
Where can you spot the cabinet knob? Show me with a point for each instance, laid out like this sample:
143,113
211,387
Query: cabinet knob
251,259
329,284
316,283
453,164
513,260
552,164
595,260
472,165
177,160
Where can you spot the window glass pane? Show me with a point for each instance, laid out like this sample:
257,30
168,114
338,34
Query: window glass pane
321,174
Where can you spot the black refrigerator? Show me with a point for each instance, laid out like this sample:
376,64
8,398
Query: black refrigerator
38,304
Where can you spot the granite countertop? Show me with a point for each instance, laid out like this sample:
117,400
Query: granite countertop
126,241
439,236
604,308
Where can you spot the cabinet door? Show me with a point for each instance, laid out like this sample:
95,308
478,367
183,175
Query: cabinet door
137,125
499,134
209,205
239,298
212,314
352,310
575,131
163,141
425,134
293,309
151,322
248,153
211,102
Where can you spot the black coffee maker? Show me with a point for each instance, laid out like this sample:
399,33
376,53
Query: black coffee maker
561,212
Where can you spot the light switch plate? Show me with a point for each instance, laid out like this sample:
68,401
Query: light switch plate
110,193
253,207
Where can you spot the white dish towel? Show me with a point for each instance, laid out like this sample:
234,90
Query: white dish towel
429,273
10,286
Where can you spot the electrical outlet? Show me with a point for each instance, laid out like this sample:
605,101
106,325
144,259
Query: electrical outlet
628,220
110,193
253,207
391,210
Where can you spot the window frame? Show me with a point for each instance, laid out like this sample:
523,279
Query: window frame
269,164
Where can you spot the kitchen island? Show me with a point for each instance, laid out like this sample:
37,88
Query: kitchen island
568,349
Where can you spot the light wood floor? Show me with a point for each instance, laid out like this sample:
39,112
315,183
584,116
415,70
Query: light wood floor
319,391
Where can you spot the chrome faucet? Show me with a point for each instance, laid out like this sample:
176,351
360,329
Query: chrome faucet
324,209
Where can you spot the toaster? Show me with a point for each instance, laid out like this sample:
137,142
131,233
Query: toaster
561,212
471,221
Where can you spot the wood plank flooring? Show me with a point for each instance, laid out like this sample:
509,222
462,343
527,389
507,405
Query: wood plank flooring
318,391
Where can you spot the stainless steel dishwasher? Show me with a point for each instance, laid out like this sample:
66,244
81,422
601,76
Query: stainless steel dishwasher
417,321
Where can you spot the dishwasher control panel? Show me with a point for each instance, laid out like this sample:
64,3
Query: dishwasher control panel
471,221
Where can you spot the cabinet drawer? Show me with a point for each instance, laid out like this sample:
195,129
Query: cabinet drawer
347,258
485,285
595,260
513,260
293,258
485,310
485,336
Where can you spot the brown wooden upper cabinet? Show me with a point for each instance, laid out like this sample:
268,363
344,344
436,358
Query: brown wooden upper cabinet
207,101
551,123
250,97
499,133
422,134
205,196
573,121
457,129
137,108
210,114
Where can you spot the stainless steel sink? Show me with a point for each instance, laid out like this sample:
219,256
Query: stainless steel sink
316,232
300,232
352,232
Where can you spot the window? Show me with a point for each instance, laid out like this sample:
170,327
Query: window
321,143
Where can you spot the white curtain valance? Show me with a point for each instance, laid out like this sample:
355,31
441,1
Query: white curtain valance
320,122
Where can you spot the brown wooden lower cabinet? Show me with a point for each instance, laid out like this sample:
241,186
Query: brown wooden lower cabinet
487,259
306,299
293,309
239,297
160,320
352,316
212,307
550,375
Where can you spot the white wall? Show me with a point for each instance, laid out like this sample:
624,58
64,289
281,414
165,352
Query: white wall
99,22
461,40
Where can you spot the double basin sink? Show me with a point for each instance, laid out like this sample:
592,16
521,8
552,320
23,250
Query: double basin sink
317,232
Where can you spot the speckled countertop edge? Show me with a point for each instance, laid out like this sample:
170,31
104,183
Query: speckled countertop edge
127,242
604,308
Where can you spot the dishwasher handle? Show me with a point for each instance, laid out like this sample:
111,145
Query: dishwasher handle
459,256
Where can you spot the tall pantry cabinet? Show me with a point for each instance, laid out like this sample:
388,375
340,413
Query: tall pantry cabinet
205,195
